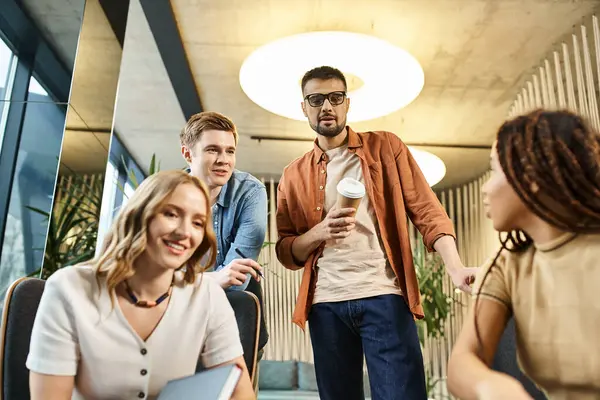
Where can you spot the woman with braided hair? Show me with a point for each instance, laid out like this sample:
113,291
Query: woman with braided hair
544,194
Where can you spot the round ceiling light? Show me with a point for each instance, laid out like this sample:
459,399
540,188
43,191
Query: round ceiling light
431,165
389,77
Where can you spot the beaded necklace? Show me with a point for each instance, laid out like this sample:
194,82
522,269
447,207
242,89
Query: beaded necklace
147,303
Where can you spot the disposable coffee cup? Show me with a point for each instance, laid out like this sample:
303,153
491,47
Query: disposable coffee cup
350,193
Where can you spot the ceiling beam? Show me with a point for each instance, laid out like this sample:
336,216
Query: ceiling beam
91,130
440,145
166,34
116,13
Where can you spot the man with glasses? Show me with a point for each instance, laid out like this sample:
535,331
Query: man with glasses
359,290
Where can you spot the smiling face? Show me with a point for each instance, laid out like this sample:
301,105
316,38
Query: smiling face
328,119
212,158
178,228
501,203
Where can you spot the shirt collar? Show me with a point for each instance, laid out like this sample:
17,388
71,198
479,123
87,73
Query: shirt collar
354,141
222,198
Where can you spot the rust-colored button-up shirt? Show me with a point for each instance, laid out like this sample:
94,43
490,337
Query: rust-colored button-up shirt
396,188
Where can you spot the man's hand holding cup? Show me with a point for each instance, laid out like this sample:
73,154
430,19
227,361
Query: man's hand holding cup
340,221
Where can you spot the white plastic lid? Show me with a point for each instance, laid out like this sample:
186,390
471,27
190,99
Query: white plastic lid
351,188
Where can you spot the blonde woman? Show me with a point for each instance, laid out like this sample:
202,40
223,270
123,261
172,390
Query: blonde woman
122,325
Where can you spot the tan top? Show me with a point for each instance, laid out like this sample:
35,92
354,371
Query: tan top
78,332
354,267
552,291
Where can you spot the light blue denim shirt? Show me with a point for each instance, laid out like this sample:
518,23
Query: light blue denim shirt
240,220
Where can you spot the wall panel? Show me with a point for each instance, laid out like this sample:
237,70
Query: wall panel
567,78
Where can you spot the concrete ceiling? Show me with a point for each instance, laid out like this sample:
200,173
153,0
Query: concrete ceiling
148,117
475,54
59,21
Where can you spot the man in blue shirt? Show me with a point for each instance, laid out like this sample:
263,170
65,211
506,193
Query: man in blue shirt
238,199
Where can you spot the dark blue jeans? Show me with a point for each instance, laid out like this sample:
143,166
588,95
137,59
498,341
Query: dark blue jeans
384,329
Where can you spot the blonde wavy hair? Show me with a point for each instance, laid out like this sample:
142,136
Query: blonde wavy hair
127,238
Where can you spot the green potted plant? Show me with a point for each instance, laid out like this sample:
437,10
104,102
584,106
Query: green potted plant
153,168
437,305
73,225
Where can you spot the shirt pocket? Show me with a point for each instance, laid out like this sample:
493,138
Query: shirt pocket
377,181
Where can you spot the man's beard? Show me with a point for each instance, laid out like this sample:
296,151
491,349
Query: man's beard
329,131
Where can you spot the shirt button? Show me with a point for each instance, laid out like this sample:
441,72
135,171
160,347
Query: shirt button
141,395
318,208
321,187
143,372
322,171
144,352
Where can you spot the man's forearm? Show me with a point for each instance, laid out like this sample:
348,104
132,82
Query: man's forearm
305,244
446,247
224,281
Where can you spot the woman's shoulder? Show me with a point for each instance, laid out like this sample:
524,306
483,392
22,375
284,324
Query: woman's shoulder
502,264
205,289
588,241
81,272
506,259
73,279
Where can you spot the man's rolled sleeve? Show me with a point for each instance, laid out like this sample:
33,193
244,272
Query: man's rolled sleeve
422,205
286,231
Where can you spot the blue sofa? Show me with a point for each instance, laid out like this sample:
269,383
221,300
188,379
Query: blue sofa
283,380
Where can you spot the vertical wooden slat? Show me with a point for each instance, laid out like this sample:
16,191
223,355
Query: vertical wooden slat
569,79
519,106
550,85
589,81
537,92
597,52
472,224
526,104
531,95
581,90
452,215
544,87
562,99
477,222
445,345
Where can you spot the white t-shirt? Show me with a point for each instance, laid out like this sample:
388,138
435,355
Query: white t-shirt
355,267
77,332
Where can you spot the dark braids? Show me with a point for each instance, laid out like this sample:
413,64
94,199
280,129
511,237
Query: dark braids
552,161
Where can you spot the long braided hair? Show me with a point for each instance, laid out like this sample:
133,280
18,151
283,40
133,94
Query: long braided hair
551,159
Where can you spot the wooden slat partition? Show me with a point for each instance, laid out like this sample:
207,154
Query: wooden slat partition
568,79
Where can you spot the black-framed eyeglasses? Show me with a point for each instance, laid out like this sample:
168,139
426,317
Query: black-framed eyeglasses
317,99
